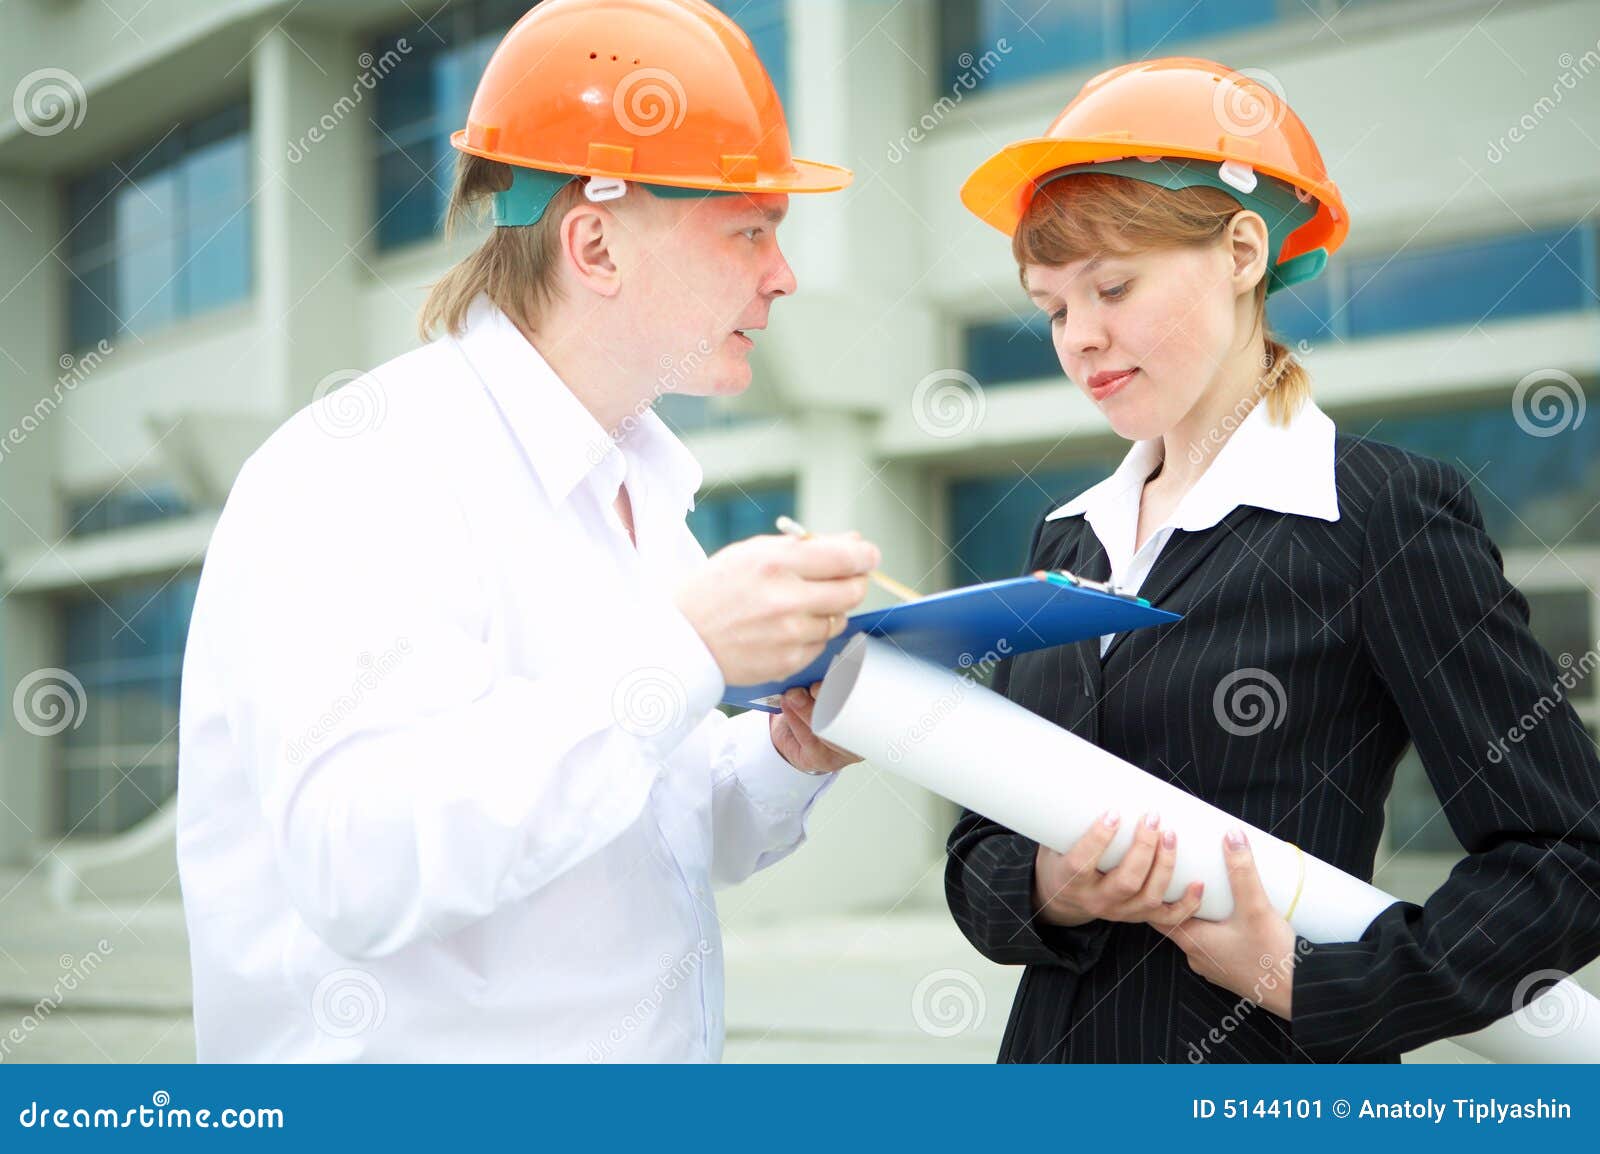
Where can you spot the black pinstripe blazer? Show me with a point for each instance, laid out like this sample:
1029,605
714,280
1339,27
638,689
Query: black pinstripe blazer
1394,624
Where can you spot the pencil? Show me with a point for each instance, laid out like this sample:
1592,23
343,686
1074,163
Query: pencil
793,528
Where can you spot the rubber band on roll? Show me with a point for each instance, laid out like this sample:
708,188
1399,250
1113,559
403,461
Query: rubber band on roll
1300,882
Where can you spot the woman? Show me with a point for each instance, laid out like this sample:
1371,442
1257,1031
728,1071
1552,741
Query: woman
1340,600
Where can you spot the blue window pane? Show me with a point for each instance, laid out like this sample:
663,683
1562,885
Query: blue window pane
161,233
992,517
1153,26
1548,271
1303,312
409,206
1003,352
1534,490
724,518
124,644
123,508
765,22
1042,38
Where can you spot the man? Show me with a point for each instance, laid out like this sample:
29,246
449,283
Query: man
452,785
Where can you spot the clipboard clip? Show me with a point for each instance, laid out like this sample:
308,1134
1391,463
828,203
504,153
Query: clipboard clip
1067,577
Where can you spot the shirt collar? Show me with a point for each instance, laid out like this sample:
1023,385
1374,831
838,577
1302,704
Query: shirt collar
564,443
1286,469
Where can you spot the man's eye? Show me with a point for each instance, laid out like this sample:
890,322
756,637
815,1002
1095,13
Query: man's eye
753,233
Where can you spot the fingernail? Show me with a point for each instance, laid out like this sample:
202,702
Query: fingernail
1169,839
1152,820
1111,817
1235,839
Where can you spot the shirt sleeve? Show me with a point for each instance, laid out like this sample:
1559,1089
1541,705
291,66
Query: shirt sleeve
760,803
410,787
1515,772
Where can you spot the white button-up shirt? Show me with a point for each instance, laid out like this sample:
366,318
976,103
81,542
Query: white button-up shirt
452,785
1289,469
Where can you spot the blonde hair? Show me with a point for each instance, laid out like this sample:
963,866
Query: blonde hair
1075,218
515,267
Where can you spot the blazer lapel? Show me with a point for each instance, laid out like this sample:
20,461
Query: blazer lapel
1183,552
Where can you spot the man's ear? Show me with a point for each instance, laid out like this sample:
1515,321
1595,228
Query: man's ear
1247,249
588,233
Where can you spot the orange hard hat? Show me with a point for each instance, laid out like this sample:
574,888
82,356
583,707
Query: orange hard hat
663,92
1173,108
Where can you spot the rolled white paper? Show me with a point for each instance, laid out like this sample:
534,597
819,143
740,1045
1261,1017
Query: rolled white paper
942,731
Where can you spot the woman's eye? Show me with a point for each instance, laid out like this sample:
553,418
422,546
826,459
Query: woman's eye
1115,292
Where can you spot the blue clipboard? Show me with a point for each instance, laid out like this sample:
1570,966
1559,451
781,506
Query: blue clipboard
965,627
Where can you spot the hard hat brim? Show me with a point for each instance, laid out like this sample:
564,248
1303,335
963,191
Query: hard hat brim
805,176
999,191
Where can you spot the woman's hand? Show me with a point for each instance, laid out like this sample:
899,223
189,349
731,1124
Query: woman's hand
1070,890
1252,952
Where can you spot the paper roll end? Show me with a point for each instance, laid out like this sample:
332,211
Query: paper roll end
837,683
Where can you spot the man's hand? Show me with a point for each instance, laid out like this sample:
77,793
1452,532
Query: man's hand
766,606
792,736
1252,952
